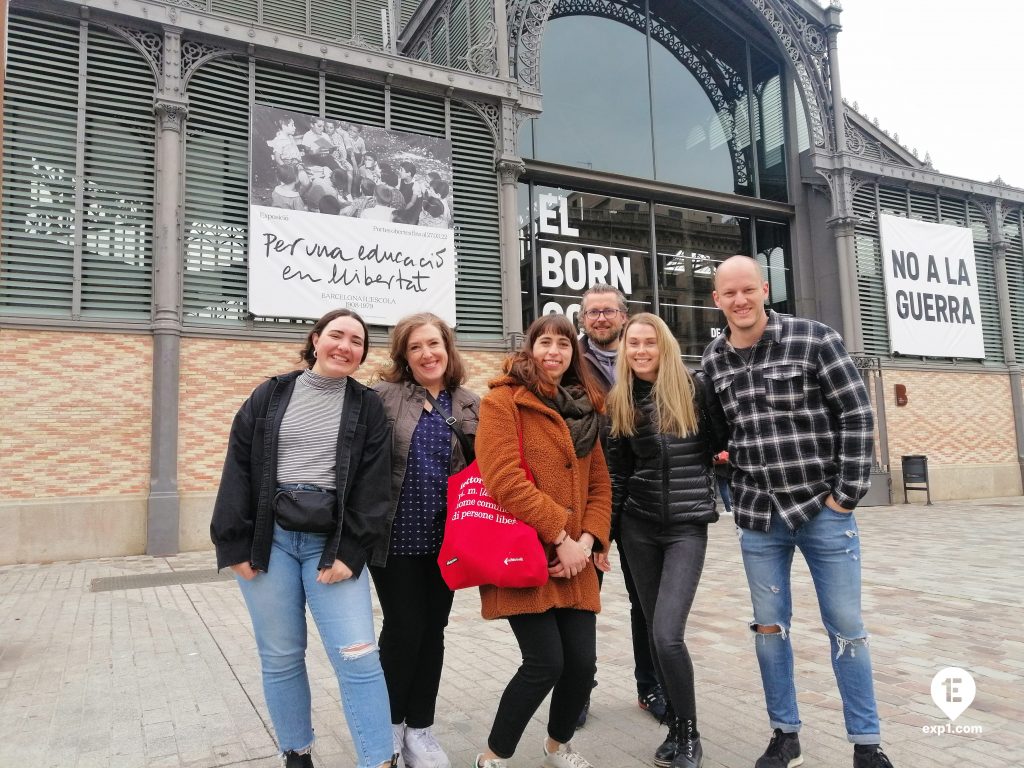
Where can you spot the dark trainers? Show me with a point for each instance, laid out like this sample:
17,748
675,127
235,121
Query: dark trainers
869,756
783,752
666,753
654,702
295,760
582,719
689,755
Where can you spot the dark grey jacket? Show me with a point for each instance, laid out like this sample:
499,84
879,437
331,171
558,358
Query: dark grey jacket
403,404
242,528
665,478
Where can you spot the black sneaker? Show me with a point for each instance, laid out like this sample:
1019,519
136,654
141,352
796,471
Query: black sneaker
666,753
783,752
869,756
295,760
582,719
654,702
689,755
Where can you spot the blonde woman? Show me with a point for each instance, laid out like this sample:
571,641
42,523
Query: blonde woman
659,456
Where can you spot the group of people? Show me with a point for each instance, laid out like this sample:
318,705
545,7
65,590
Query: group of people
619,438
330,170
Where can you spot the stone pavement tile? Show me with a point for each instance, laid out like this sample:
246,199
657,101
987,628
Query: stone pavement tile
84,676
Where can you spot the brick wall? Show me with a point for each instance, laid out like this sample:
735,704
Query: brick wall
953,418
216,377
76,414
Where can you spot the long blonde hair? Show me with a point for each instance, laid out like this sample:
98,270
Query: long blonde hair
673,387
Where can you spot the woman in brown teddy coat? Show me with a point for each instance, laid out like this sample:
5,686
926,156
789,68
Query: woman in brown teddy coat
548,397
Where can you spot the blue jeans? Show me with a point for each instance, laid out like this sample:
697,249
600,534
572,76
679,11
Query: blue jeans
830,544
723,491
277,602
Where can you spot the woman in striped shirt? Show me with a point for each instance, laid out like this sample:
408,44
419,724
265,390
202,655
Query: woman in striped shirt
299,510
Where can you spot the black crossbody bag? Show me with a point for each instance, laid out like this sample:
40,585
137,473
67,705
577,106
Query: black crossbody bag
306,511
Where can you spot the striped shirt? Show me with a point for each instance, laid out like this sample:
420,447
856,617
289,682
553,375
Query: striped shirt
800,422
308,440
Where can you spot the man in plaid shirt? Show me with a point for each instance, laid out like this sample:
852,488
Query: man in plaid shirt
800,441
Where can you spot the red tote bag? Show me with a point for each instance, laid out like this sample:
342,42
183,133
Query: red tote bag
484,544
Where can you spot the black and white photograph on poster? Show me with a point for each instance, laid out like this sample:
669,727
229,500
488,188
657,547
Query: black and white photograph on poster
344,214
333,166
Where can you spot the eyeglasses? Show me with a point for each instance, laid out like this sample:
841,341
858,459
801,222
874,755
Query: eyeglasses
608,314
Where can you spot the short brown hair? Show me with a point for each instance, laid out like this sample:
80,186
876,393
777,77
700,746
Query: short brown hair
602,289
521,365
308,355
397,369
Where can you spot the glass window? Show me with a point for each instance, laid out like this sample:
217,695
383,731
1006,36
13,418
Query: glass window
769,126
582,239
662,90
597,112
690,244
699,98
773,256
526,273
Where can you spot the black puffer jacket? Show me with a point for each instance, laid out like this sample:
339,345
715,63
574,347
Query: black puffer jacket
665,478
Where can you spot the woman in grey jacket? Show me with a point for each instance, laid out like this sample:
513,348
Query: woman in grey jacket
434,420
659,456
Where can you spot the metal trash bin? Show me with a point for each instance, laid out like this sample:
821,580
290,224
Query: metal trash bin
915,476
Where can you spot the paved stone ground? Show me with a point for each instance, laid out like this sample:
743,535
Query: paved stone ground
167,675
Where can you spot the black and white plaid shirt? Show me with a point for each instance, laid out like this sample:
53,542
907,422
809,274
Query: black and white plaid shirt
800,422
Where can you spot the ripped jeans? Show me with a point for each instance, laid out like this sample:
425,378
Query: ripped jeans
830,544
277,603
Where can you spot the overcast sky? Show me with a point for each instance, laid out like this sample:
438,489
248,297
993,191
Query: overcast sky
946,76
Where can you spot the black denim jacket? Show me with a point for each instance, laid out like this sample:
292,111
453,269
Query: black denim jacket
242,528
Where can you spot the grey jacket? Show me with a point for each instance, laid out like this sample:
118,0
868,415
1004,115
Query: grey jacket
403,404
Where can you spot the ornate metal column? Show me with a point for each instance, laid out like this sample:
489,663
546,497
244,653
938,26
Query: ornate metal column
171,108
509,171
997,214
501,40
843,221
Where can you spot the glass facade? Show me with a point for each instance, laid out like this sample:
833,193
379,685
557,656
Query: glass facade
673,104
686,100
661,257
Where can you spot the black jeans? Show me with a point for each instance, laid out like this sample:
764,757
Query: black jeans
559,650
667,563
416,603
643,658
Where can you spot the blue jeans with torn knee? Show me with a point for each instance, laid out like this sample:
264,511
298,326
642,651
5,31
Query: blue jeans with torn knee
830,544
343,615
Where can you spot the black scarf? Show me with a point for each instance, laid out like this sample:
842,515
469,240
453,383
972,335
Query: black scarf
579,415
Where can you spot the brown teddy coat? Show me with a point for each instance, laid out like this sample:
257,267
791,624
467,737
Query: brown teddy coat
569,493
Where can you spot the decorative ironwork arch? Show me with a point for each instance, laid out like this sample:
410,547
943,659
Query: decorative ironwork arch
803,41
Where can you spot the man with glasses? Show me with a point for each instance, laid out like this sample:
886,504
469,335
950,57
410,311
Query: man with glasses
603,314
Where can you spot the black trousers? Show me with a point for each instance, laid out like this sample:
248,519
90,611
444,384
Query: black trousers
643,657
666,563
416,603
559,650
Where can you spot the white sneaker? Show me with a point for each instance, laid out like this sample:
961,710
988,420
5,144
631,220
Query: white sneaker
564,757
397,738
494,762
421,750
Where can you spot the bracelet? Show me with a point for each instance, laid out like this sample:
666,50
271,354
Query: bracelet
560,543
